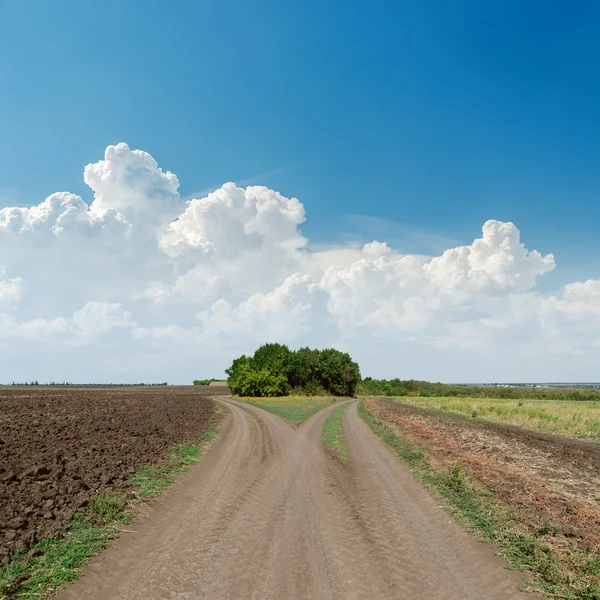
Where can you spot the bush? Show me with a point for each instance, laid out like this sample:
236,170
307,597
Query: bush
274,370
254,382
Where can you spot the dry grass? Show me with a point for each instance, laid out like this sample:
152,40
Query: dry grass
580,419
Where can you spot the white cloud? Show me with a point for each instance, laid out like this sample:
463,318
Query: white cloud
93,320
174,289
10,291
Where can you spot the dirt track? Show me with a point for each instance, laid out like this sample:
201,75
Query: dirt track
267,514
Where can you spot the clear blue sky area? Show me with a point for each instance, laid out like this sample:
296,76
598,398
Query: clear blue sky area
430,117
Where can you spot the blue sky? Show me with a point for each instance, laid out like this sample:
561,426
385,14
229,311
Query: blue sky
429,118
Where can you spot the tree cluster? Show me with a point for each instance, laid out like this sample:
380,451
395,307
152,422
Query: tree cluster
275,370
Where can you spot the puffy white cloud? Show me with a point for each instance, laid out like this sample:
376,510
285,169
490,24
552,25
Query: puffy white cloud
10,291
93,320
282,314
495,263
393,292
130,183
98,318
142,278
232,219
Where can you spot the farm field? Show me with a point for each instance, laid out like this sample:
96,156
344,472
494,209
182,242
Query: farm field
296,498
575,418
62,447
272,512
535,493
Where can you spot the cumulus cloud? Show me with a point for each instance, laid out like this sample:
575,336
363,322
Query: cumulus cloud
10,291
140,275
93,320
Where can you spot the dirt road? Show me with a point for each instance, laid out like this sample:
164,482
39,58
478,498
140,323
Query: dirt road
268,515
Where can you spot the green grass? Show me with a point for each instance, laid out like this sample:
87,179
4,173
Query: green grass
565,573
59,559
333,434
581,419
294,409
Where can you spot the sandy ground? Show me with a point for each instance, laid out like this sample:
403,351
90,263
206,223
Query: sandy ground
268,514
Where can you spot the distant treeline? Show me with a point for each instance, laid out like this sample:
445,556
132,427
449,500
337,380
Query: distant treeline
205,381
411,387
68,384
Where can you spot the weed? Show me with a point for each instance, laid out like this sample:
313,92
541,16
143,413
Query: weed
106,508
546,528
456,479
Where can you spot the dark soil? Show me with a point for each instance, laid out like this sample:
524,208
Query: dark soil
58,446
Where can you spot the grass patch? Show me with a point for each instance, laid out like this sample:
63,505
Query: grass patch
580,419
557,571
59,558
56,561
333,434
294,409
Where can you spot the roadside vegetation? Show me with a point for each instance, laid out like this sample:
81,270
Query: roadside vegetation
49,563
294,409
581,419
275,370
412,387
559,568
333,435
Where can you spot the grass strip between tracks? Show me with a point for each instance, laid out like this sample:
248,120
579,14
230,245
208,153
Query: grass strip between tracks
53,562
567,573
294,409
333,434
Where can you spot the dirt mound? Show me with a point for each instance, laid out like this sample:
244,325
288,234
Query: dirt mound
60,445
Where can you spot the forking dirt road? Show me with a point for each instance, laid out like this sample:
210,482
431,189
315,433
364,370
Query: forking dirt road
267,514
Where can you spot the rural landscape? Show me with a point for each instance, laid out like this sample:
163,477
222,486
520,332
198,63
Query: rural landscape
299,300
313,486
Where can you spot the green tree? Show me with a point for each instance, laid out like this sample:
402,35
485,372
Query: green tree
339,373
274,357
304,368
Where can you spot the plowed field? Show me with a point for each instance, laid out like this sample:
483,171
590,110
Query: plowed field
60,445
